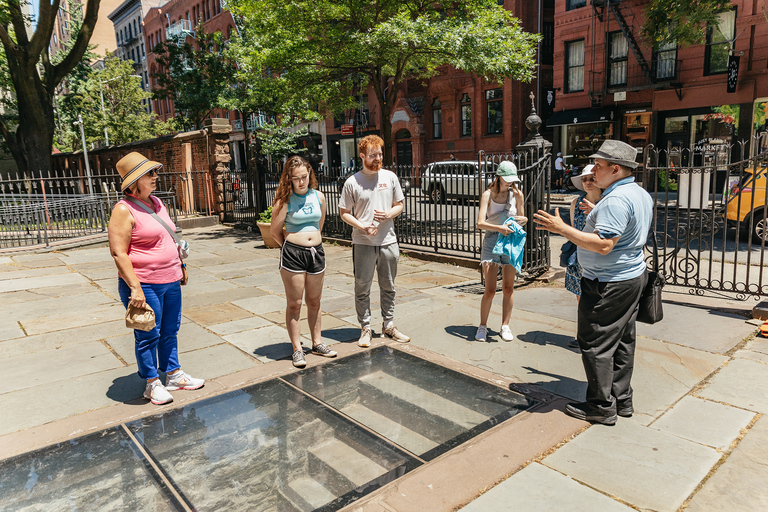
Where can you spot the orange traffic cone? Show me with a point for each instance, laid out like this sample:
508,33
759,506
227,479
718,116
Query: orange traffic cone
764,329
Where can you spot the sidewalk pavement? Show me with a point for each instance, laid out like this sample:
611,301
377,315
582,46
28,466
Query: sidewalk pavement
697,441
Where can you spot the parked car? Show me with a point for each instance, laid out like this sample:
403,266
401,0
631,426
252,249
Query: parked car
460,179
747,202
405,183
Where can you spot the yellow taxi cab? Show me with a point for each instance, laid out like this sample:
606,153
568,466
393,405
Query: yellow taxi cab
747,202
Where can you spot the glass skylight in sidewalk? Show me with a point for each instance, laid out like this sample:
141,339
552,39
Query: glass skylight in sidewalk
423,407
100,471
268,447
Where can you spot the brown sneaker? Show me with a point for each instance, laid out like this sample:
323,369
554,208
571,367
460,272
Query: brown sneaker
365,337
396,335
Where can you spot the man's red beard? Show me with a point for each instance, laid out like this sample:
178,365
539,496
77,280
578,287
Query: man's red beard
374,166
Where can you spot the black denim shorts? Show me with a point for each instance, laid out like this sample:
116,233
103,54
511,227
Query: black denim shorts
296,258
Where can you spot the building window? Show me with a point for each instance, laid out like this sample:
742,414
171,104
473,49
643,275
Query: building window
547,43
494,111
617,59
665,61
437,119
466,115
719,43
574,66
574,4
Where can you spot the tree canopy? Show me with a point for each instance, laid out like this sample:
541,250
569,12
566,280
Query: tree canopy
683,22
320,48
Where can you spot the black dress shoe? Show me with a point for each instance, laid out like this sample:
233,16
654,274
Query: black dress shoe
584,411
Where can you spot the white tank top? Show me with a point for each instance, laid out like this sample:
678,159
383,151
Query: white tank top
499,212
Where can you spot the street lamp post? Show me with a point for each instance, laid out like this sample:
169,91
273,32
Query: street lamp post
85,154
103,112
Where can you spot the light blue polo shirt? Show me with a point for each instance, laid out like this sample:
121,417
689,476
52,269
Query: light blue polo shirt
625,210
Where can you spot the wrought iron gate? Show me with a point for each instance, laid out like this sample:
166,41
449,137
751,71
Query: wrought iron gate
711,220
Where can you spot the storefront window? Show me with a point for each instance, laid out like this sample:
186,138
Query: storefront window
712,133
636,131
582,140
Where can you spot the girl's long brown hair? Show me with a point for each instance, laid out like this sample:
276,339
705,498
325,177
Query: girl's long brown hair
285,187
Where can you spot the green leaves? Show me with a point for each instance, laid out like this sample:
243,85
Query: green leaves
681,21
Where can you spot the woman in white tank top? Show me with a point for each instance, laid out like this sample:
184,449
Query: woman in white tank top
499,202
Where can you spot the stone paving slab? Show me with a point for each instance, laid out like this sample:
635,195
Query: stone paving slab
92,316
742,383
65,338
38,405
45,306
265,344
71,290
641,466
191,337
34,272
54,366
537,488
705,422
27,283
235,326
740,483
220,297
262,304
216,314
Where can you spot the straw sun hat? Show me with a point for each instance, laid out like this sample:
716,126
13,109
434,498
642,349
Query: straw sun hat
133,166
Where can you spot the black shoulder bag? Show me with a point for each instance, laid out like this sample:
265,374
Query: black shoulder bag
650,309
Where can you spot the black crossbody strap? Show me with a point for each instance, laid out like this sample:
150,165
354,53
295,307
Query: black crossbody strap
146,208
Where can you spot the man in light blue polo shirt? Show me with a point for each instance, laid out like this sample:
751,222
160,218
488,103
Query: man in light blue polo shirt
610,252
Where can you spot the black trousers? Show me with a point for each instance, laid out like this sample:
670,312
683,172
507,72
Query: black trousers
606,335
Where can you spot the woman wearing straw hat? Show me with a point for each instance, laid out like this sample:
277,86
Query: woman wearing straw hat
580,208
150,271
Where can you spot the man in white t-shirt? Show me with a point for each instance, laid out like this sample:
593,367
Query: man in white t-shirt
559,171
370,201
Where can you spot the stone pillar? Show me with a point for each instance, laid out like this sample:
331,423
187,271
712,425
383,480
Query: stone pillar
218,131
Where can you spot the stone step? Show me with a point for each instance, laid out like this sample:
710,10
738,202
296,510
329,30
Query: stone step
389,428
422,399
347,462
308,494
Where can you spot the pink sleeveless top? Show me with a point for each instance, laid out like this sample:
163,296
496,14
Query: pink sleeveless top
152,250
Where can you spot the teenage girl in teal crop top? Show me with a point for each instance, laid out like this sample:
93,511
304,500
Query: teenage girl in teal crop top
300,207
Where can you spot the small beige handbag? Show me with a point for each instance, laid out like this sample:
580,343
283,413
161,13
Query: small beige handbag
142,319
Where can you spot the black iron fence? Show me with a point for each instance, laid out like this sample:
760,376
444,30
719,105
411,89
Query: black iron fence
58,206
711,220
441,203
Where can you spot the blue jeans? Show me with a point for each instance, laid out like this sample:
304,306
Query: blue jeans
156,349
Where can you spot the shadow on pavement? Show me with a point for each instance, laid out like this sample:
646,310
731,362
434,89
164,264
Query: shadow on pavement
546,338
128,389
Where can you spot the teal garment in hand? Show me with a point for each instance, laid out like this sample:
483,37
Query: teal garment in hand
512,245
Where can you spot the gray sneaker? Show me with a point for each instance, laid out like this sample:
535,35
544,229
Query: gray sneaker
322,349
396,335
365,337
298,359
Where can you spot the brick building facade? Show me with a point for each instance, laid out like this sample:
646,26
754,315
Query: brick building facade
454,112
609,83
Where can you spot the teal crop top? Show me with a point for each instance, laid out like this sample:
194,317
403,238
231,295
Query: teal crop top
304,212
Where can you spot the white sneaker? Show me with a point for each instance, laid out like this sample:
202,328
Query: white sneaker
482,333
181,380
156,393
365,337
506,333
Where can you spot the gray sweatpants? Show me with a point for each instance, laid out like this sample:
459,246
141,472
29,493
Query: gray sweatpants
366,259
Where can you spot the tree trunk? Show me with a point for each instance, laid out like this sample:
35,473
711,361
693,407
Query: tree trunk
34,136
386,121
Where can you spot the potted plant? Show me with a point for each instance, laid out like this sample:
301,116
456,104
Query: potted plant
264,223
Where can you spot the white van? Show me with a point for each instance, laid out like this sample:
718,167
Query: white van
459,179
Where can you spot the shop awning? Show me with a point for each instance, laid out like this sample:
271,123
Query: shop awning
581,116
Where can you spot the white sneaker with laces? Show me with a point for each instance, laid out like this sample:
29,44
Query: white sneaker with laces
482,333
156,393
506,333
365,337
181,380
